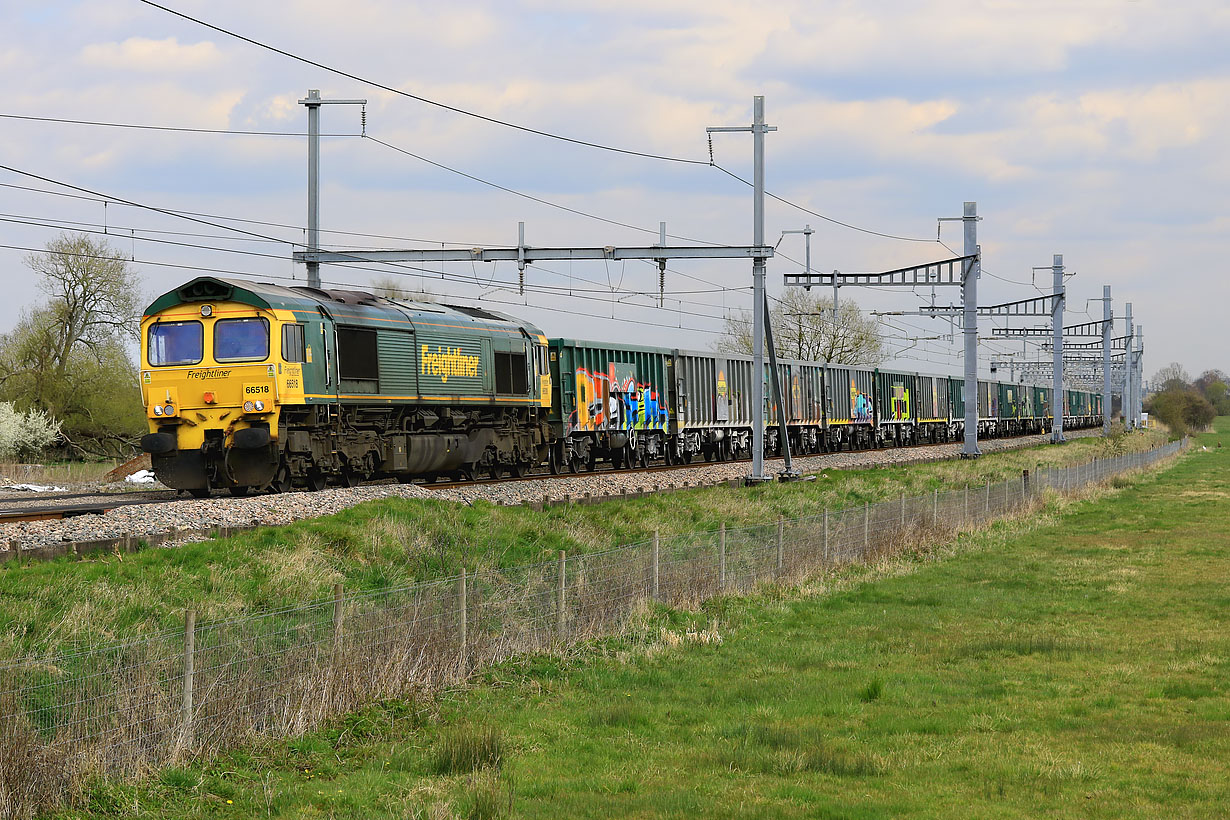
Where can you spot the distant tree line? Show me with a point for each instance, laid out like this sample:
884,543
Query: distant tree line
1185,405
69,362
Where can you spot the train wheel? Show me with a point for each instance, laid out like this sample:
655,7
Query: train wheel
238,492
519,469
350,478
316,480
199,492
555,461
617,458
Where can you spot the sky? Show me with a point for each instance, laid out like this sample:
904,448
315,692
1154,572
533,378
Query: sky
1096,130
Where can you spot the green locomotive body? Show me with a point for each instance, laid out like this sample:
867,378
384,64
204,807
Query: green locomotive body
351,386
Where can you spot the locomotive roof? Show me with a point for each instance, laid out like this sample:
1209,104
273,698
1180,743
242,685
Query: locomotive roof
353,304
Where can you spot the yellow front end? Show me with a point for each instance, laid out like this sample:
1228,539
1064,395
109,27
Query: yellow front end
213,380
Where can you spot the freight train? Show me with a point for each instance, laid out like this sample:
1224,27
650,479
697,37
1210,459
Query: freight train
261,387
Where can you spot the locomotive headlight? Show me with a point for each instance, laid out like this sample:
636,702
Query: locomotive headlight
157,409
260,405
249,406
169,410
207,311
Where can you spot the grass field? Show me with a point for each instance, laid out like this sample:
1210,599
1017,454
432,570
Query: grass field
393,542
1075,666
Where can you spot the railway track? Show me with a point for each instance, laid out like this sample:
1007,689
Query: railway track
52,507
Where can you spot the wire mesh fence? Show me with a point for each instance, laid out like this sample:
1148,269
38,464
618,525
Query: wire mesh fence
123,708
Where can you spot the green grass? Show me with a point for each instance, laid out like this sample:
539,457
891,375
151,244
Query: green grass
1073,666
397,541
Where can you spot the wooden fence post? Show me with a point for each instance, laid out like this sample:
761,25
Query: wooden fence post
722,557
826,535
935,508
337,613
464,626
866,528
656,565
559,597
988,493
781,526
903,511
966,503
189,673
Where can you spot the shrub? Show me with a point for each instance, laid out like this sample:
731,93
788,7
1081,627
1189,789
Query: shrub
1181,409
25,434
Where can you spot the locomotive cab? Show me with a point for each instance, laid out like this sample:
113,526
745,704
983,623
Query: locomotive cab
214,371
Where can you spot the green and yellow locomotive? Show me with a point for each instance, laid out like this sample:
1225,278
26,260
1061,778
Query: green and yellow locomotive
253,386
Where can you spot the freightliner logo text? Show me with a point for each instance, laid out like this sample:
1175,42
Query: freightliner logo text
447,361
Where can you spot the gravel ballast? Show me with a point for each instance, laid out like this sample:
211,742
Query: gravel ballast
143,520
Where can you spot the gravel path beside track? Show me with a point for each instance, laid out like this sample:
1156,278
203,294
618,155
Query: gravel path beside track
147,519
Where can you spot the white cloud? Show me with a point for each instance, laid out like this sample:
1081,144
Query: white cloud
145,55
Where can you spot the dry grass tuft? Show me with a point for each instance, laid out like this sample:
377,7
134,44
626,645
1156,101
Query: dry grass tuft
34,777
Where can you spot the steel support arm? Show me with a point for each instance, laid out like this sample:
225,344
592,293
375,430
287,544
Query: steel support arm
944,272
529,254
1086,329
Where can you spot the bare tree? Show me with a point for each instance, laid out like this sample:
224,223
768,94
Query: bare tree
392,287
1172,375
92,293
804,328
1209,377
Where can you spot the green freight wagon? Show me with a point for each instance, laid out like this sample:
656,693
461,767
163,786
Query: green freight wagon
896,395
614,403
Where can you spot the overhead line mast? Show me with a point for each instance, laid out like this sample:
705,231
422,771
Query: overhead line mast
943,272
759,300
313,103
